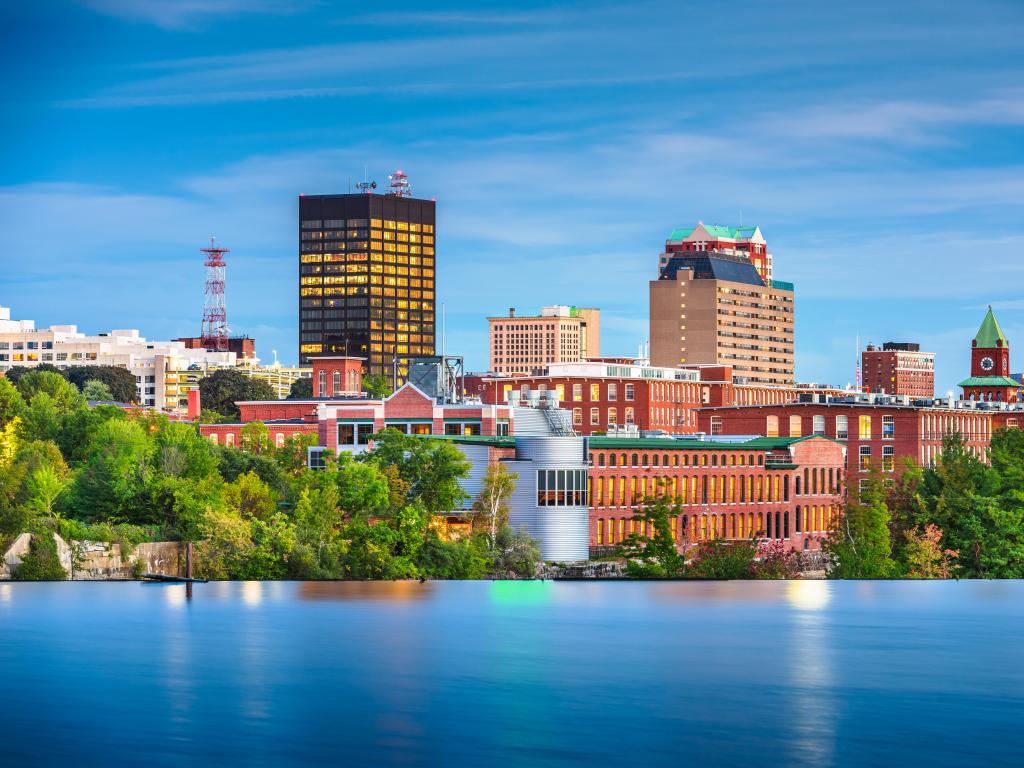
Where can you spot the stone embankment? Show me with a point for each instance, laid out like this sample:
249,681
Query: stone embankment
95,560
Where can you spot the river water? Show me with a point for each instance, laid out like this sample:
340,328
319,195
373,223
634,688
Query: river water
513,674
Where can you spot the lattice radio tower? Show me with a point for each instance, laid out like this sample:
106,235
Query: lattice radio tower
215,313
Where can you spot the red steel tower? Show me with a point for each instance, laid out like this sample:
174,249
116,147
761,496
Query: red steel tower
215,314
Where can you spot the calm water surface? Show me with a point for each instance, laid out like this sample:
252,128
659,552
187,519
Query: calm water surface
513,674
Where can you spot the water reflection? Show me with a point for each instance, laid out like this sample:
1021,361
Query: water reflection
808,595
252,593
809,653
365,590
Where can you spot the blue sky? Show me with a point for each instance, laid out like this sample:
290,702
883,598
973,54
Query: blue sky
879,147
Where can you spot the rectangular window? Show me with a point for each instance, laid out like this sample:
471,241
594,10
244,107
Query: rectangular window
629,416
888,427
612,416
354,434
818,425
577,393
794,426
595,417
613,392
595,392
629,391
842,428
865,428
577,416
888,458
772,426
562,488
865,458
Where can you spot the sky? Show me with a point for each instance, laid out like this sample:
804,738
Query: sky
878,145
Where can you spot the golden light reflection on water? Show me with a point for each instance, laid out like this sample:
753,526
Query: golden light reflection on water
6,593
808,595
174,595
399,591
252,593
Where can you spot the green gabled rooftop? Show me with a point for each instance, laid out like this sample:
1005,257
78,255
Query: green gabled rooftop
989,381
716,230
990,335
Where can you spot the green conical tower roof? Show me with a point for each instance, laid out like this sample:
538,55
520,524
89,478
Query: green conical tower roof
990,335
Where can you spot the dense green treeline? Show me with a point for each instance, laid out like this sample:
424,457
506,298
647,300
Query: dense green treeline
962,518
255,512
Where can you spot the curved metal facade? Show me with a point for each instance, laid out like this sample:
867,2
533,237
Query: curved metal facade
563,531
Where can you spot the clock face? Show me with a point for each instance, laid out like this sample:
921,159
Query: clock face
987,364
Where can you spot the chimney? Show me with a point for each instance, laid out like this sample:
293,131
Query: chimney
194,407
511,311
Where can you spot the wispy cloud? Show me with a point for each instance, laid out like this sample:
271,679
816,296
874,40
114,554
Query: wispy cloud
182,14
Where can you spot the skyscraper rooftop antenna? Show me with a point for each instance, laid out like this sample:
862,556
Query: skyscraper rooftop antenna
398,184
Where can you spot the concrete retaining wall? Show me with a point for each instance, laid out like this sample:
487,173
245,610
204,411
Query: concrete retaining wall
101,560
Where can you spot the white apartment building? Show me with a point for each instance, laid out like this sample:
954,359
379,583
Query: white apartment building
64,346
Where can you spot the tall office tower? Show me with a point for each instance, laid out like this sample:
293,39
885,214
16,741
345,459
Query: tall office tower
367,276
714,307
559,334
899,369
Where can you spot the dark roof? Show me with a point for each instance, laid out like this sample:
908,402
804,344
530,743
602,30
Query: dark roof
693,444
712,266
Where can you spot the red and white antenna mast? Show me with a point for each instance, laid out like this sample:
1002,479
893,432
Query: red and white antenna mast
215,313
398,184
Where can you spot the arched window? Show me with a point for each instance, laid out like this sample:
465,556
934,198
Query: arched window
796,520
645,463
600,532
654,460
635,459
796,485
611,459
785,488
336,383
322,380
714,460
600,459
279,440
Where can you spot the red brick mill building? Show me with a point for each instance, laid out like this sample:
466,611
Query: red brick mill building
785,489
608,393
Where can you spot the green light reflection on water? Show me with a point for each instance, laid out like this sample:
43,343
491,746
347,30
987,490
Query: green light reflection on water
521,592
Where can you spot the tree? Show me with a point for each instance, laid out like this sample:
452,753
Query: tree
120,382
113,478
492,503
42,563
12,404
432,468
301,389
515,553
860,546
250,498
654,556
926,559
775,560
220,390
43,487
376,386
94,389
65,396
717,559
255,437
14,375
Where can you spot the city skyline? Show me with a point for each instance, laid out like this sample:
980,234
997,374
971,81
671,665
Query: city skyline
885,176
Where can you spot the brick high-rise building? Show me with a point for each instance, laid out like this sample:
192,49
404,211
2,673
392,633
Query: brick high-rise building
899,369
714,307
522,345
367,277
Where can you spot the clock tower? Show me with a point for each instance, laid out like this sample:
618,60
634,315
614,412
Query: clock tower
990,365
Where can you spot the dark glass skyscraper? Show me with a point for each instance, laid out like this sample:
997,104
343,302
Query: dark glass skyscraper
366,278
